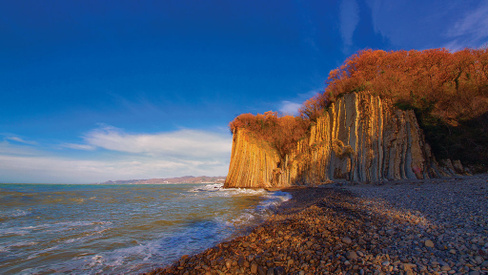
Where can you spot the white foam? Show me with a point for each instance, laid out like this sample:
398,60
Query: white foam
263,210
13,231
274,199
24,243
15,213
208,188
218,190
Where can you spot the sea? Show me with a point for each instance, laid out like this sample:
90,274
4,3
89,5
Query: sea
120,229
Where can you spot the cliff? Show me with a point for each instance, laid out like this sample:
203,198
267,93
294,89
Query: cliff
360,138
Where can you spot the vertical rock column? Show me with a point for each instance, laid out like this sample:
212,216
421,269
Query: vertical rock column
253,163
360,138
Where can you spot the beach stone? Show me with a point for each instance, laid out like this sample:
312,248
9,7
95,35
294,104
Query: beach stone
400,233
240,261
445,268
474,272
351,255
279,270
478,259
254,268
346,240
429,243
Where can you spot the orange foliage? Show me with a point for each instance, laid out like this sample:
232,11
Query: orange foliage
453,86
445,89
282,132
448,91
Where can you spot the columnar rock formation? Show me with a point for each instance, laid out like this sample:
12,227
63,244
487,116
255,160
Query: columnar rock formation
360,138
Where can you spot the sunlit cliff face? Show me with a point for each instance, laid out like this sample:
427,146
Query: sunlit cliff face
360,138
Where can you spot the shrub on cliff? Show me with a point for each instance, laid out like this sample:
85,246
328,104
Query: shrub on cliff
281,132
448,92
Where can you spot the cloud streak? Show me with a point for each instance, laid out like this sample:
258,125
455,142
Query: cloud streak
289,108
454,24
349,18
44,169
471,29
182,143
111,154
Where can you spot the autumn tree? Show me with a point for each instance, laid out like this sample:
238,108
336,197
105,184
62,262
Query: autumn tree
447,90
281,132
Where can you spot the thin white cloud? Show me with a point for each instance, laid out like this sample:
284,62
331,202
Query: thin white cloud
17,149
471,29
126,156
412,24
40,169
289,108
20,140
182,143
349,18
75,146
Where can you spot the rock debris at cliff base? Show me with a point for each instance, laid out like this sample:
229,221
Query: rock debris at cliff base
420,227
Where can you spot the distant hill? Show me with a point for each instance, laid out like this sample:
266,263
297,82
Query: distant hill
177,180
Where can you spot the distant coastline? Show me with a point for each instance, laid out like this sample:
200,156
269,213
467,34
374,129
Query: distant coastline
176,180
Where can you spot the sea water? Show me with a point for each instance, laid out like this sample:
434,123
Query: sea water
113,229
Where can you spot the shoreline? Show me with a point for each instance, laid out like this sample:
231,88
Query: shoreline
430,226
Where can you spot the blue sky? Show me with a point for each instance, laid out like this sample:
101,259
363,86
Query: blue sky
98,90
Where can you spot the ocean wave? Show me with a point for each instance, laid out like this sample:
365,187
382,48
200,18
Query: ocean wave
271,200
52,227
14,214
218,189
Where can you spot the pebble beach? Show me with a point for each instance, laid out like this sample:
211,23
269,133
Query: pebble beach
437,226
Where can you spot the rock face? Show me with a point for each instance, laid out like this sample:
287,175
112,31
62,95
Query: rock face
361,138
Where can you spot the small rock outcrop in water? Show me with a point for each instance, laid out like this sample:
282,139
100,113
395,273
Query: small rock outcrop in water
360,138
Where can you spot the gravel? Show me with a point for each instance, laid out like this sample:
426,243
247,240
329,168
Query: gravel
449,216
433,227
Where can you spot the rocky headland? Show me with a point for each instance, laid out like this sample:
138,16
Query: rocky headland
360,138
368,194
436,226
